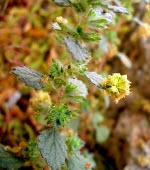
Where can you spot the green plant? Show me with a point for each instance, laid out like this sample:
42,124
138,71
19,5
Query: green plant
59,147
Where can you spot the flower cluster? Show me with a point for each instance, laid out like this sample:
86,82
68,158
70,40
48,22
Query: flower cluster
40,97
116,86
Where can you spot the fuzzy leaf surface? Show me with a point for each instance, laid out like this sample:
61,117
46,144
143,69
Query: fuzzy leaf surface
52,148
8,160
118,9
81,86
62,2
94,78
30,77
77,51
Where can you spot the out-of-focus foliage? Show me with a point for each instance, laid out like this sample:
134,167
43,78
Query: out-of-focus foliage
8,160
27,38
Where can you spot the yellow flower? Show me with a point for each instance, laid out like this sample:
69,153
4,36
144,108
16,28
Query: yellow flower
116,86
40,97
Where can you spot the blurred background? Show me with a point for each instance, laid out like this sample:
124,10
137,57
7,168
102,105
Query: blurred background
116,136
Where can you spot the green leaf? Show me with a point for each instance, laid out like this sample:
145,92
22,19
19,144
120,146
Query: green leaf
9,160
62,2
59,115
77,51
96,21
74,143
56,69
30,77
91,15
77,162
73,93
102,134
52,148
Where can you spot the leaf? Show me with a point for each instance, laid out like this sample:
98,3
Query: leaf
102,134
62,2
94,78
96,20
105,2
52,148
96,119
103,44
8,160
77,51
101,14
118,9
125,60
77,162
30,77
81,86
56,26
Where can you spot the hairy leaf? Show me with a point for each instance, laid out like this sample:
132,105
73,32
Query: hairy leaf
81,86
77,51
30,77
52,148
118,9
62,2
94,78
8,160
77,162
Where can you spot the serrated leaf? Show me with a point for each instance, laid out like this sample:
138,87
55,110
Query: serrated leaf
77,51
52,148
77,162
62,2
8,160
30,77
94,78
118,9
